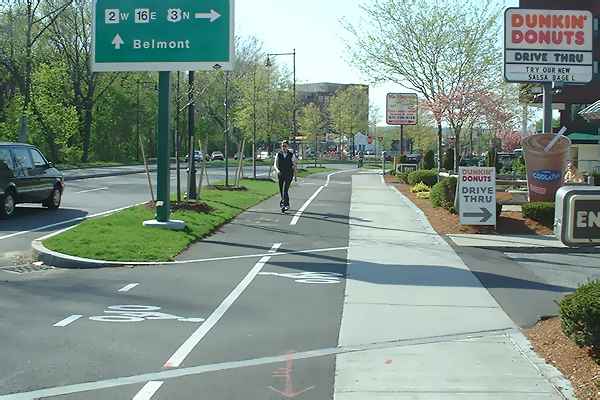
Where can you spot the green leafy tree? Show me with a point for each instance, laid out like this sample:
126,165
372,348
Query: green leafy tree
349,112
432,47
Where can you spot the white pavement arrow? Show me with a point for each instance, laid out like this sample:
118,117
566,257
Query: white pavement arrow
117,42
212,15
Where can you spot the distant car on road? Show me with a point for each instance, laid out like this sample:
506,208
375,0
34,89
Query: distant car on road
263,155
217,155
198,155
236,156
26,176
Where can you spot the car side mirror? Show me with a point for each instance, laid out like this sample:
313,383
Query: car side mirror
50,164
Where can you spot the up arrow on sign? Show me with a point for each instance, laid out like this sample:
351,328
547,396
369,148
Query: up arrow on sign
118,42
212,15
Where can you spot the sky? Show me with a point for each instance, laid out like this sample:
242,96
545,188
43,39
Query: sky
312,27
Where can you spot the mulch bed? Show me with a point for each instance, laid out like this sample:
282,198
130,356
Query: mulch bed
229,188
445,223
200,207
574,362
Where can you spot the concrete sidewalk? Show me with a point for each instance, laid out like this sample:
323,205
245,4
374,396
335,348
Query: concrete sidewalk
405,284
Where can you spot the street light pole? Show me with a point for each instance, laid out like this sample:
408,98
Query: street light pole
254,126
294,103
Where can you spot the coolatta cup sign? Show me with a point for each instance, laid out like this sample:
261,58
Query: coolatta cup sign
402,109
548,46
477,195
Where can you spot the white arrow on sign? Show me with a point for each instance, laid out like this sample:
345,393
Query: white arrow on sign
117,42
212,15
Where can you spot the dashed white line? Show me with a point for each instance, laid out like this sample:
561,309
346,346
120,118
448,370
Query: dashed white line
148,390
67,321
186,348
91,190
127,288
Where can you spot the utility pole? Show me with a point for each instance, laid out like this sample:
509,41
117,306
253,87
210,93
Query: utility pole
192,191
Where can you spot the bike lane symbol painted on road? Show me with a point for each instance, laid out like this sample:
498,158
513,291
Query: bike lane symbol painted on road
136,313
310,277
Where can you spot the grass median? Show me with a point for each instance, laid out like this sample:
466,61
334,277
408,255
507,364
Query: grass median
121,236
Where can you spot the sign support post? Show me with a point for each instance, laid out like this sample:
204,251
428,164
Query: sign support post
163,203
547,128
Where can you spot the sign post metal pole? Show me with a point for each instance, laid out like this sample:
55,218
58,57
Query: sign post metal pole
547,128
163,204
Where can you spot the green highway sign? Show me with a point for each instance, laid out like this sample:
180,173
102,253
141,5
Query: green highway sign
162,35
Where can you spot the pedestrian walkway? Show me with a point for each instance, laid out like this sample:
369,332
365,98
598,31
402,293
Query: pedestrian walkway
405,284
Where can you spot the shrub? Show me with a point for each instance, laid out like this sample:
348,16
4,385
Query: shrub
498,210
596,176
540,212
443,194
403,176
429,160
420,187
428,177
423,195
580,315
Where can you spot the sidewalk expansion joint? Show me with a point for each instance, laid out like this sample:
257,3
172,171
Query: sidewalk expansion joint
422,305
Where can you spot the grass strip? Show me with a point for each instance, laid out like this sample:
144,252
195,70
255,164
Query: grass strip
122,237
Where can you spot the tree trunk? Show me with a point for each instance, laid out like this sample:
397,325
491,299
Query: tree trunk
87,132
457,152
439,146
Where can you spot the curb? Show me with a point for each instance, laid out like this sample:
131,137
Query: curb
60,260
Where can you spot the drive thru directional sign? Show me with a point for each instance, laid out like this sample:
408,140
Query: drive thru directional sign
477,195
162,35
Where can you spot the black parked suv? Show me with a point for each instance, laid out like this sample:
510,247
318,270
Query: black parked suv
27,177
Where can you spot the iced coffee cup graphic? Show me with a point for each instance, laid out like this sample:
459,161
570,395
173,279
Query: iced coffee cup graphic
546,157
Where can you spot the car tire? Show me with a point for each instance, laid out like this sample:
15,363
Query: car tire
7,205
53,202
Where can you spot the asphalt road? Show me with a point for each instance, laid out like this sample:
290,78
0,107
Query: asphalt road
529,282
82,198
65,327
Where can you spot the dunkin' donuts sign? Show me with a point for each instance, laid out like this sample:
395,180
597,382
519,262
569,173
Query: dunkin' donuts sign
548,46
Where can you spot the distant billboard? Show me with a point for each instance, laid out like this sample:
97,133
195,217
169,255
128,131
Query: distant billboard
402,109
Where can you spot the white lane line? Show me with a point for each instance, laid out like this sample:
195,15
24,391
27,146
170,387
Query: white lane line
335,173
186,348
148,390
275,247
313,197
91,190
164,375
56,225
305,206
127,288
67,321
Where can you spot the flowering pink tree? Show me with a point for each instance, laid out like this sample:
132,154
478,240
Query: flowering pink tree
511,140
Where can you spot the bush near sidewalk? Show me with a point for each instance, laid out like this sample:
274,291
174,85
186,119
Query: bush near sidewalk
420,187
542,212
427,176
121,236
580,315
443,194
403,176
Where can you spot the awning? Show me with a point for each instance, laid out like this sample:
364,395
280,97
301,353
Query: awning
583,138
591,113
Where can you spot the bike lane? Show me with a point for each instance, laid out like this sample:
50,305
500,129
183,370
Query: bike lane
95,347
